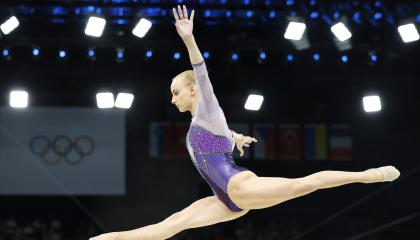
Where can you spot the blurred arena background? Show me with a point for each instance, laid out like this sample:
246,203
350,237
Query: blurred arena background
90,142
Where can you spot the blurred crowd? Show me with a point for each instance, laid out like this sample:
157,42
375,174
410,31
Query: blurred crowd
54,229
13,229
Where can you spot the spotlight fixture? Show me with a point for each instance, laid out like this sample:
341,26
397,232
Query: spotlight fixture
254,102
124,100
18,99
408,33
95,26
9,25
105,100
119,55
142,28
176,56
372,103
91,54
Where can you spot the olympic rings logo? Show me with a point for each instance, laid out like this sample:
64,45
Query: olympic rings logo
61,147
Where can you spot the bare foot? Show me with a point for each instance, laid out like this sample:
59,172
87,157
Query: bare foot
382,174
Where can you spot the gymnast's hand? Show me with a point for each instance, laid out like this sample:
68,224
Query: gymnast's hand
184,26
241,141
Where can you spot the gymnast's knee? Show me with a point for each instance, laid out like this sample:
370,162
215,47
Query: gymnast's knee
173,223
302,187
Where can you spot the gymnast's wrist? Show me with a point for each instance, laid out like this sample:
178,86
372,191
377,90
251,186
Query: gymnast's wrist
188,39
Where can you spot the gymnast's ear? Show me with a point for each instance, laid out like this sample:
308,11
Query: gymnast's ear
193,89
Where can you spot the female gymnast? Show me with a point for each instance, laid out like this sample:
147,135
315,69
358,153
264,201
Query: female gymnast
210,144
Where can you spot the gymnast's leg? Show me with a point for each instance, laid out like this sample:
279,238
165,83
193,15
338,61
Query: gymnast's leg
248,191
204,212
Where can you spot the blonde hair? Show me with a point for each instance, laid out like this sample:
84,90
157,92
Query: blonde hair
187,76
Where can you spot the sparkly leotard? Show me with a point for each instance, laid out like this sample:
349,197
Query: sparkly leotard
209,140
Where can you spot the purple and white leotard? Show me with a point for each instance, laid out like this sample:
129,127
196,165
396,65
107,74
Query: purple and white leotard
209,140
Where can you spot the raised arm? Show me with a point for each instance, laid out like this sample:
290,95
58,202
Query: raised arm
208,106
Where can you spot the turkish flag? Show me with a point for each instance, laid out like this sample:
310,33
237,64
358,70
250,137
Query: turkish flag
290,141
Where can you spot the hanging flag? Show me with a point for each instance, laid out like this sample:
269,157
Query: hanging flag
315,142
265,148
340,142
161,138
242,128
290,141
181,130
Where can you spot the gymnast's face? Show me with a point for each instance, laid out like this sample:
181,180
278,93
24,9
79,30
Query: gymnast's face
183,96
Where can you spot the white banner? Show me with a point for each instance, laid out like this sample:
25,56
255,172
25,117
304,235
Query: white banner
58,151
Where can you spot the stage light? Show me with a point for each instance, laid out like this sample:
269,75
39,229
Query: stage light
9,25
207,13
206,55
124,100
341,32
5,53
35,52
290,57
142,28
149,54
356,18
295,30
290,2
314,15
272,14
176,56
254,102
316,57
91,53
262,56
18,99
234,56
105,100
344,59
119,55
62,54
373,58
377,16
372,103
95,26
408,32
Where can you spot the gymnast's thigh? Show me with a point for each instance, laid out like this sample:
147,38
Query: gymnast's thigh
204,212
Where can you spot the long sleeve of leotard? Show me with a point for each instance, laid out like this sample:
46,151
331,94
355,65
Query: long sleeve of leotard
208,106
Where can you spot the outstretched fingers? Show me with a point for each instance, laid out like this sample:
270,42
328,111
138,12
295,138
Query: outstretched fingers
175,14
181,15
185,12
192,15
